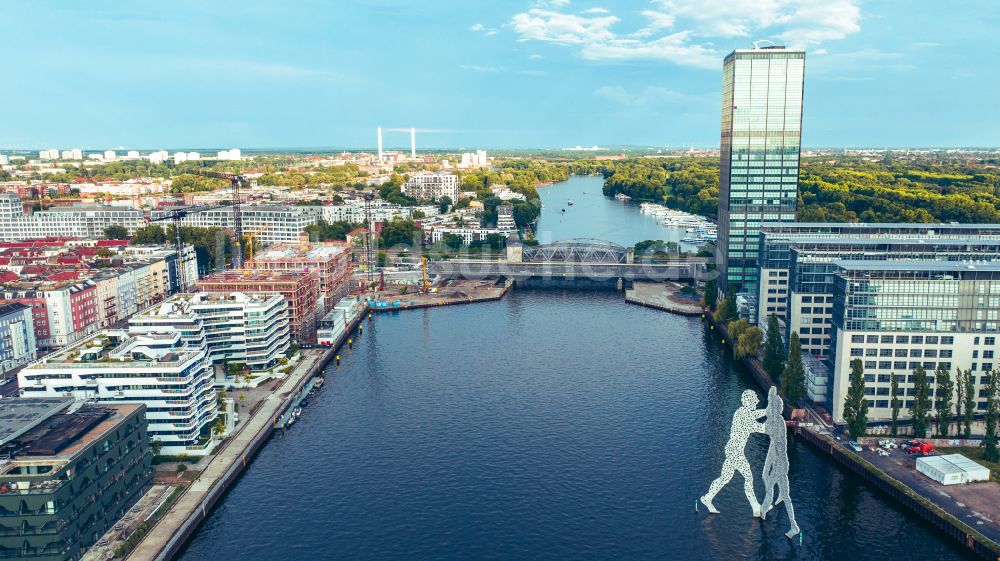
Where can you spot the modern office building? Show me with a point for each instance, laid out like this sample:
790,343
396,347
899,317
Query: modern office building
173,380
896,316
17,336
759,166
70,221
796,264
68,474
248,329
431,185
505,218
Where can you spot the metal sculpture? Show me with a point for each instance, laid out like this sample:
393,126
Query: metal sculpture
776,464
775,473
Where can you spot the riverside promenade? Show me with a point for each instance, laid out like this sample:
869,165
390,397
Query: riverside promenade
170,533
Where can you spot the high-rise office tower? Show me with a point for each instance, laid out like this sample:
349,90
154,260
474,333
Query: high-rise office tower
759,167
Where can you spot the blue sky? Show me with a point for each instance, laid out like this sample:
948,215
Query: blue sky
510,73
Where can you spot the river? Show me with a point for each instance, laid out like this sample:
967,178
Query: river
548,425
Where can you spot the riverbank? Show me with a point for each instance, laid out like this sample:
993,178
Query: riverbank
921,496
175,527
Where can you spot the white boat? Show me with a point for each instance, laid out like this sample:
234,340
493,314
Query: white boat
623,197
569,202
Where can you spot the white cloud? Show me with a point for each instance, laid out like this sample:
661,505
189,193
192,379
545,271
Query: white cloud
478,68
568,29
925,44
535,56
477,27
647,97
687,31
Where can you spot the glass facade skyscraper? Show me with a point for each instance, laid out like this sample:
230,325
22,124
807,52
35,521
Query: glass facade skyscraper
759,167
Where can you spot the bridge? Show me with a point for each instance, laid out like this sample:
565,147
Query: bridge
576,259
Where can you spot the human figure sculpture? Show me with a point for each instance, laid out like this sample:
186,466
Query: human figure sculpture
776,464
744,424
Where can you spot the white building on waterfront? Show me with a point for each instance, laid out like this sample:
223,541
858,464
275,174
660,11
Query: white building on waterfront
505,218
249,329
71,221
381,211
431,185
173,380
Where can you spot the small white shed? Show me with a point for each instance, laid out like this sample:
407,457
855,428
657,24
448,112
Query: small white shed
952,469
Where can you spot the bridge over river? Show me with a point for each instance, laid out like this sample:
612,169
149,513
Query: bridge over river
575,259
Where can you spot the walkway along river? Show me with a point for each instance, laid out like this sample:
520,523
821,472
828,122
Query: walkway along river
548,425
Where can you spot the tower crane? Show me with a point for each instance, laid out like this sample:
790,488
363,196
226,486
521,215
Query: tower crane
250,237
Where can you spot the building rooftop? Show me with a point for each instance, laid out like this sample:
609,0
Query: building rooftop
254,275
19,415
55,440
11,308
881,225
918,265
313,251
895,240
116,349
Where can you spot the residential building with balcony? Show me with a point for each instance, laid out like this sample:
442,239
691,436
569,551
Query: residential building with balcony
69,221
431,185
273,223
330,260
173,380
234,328
299,289
17,336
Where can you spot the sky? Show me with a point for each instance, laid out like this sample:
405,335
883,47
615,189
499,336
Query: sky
474,74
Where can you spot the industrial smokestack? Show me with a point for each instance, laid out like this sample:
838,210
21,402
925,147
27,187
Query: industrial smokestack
380,144
413,143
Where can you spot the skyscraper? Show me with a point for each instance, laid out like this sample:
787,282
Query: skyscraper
759,167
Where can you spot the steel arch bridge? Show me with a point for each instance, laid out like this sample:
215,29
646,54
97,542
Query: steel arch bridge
576,250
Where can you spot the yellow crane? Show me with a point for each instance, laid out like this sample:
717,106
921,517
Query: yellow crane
423,268
250,237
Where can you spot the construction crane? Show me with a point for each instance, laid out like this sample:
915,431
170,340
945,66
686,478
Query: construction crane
423,268
250,237
235,184
369,239
177,216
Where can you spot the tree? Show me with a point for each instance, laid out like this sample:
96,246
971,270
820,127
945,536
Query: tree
896,404
710,295
774,350
726,310
945,394
453,241
959,400
920,411
970,404
746,338
444,203
991,452
856,404
793,379
400,232
149,235
115,232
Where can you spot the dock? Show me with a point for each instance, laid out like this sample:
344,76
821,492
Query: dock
450,293
666,296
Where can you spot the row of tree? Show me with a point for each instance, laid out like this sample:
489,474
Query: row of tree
950,402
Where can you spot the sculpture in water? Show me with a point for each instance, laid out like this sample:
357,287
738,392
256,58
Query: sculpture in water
775,473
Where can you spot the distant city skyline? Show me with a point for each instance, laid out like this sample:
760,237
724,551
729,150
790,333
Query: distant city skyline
541,74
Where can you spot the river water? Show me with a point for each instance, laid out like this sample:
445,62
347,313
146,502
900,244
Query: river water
548,425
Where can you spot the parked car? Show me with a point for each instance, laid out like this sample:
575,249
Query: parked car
855,446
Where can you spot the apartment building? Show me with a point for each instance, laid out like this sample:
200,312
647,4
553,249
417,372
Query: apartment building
159,370
431,185
70,221
248,329
896,316
300,289
330,260
379,210
17,336
68,474
272,223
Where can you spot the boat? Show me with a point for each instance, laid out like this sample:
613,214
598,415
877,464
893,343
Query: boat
692,240
564,210
319,382
623,197
570,202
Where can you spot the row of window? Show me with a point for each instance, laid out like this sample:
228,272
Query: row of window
913,353
912,340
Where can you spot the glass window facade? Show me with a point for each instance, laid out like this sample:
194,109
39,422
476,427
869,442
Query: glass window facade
759,167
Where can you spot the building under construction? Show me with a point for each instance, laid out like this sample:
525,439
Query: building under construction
301,289
330,260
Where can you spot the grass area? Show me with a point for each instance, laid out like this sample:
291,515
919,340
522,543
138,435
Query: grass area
977,455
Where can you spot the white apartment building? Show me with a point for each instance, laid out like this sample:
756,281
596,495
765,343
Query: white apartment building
17,336
431,185
4,160
64,222
275,223
172,379
381,211
110,156
504,193
468,235
505,218
50,154
250,329
231,154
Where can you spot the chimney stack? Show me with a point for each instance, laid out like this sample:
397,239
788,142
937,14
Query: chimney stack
380,145
413,143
